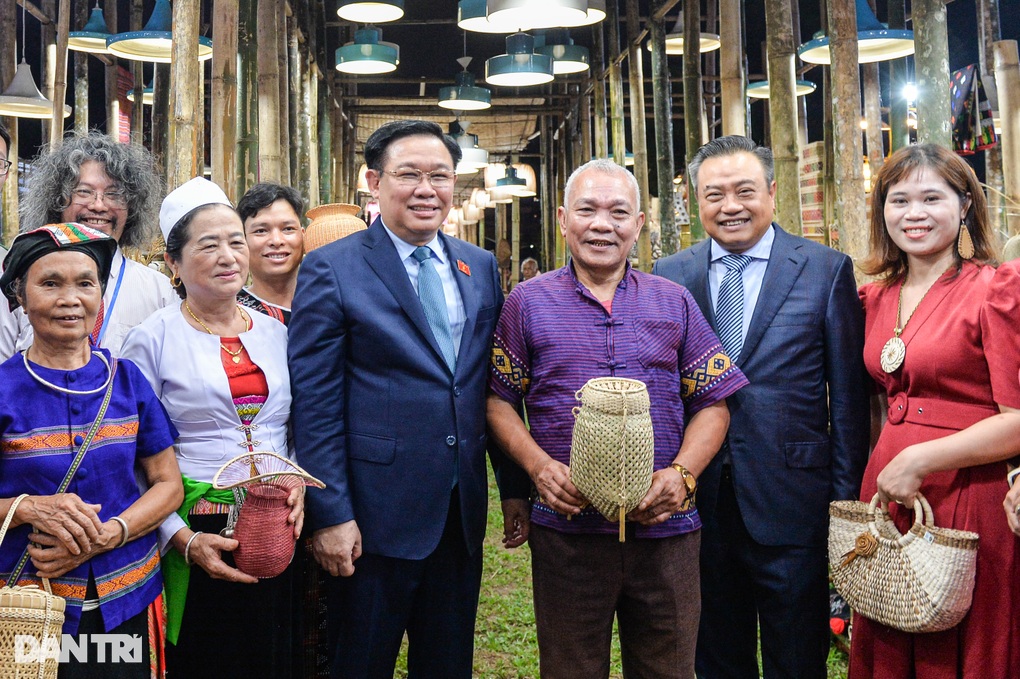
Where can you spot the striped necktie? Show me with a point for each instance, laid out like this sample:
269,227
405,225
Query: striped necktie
729,307
433,301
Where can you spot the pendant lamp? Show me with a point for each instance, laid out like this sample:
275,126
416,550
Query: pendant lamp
92,36
518,186
370,11
596,13
22,99
520,66
538,13
567,57
465,95
875,42
708,42
367,55
154,42
472,158
760,89
471,16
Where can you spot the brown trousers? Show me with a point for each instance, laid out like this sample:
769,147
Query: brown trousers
651,585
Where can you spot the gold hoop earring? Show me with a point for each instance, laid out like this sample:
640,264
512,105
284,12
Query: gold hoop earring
964,243
175,281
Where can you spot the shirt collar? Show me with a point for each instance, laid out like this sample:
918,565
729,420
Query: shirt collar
760,250
623,281
405,249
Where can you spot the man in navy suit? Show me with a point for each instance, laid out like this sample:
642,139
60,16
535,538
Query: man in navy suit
389,347
787,311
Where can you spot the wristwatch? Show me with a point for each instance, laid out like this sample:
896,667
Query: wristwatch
690,483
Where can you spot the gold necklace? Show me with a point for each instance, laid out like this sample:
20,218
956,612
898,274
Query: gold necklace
895,350
235,356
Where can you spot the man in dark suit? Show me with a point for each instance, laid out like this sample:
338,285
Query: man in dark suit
786,309
389,346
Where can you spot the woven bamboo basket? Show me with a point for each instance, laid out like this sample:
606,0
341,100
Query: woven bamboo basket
921,581
612,449
265,538
331,222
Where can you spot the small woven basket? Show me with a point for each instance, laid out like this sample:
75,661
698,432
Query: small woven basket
29,612
612,449
331,222
921,581
265,538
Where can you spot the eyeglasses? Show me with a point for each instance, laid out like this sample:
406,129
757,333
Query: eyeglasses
412,176
84,196
5,165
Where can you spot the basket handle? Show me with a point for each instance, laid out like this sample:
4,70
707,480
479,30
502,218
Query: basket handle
922,512
10,516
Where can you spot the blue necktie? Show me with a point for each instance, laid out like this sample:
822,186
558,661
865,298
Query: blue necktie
433,301
729,307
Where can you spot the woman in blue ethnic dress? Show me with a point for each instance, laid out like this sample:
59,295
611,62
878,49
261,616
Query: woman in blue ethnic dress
93,535
221,373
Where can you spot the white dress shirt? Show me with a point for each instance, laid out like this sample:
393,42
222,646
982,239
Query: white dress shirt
454,301
753,275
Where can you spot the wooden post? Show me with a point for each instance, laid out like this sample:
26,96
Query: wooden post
81,72
48,51
60,74
546,193
694,109
247,98
783,112
160,114
182,156
112,102
851,216
339,136
638,133
268,12
598,66
897,81
1007,80
223,104
873,113
8,64
297,170
731,66
988,33
617,132
662,102
283,105
931,64
138,75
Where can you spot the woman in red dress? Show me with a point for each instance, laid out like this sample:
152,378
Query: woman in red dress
942,347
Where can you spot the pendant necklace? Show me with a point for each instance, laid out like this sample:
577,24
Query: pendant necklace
73,392
895,350
235,356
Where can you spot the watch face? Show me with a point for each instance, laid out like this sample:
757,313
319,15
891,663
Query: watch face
690,482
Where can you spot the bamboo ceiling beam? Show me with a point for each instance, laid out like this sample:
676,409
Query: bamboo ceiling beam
34,10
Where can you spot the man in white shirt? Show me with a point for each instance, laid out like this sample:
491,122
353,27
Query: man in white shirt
115,188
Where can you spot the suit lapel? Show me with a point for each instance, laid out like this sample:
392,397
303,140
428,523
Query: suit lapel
782,272
382,256
468,291
700,258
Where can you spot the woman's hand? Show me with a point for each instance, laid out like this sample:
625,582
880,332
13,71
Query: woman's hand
1012,504
296,501
205,551
902,477
52,557
66,517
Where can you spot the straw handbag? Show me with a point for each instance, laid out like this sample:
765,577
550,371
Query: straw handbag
922,581
29,611
612,449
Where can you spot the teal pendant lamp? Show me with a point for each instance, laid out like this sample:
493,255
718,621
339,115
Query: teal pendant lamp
465,95
538,13
875,42
148,95
92,36
154,42
567,57
520,66
472,16
367,55
760,89
514,185
370,11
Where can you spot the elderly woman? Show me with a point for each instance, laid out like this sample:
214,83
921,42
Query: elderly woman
221,373
941,345
90,526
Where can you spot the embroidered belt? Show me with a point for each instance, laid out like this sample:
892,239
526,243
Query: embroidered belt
935,412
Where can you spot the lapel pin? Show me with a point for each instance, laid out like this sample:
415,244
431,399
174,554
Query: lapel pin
464,268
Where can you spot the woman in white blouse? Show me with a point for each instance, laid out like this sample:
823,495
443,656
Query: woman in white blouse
221,373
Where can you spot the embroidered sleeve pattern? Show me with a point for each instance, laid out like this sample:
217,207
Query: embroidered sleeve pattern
705,372
507,370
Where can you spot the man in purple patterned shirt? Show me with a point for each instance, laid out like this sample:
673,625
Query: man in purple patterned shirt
599,317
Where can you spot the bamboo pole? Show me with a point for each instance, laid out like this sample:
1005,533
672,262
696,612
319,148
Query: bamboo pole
1007,80
160,114
294,102
616,121
48,50
801,103
638,132
60,74
931,65
873,113
783,112
110,75
312,96
223,104
270,164
8,63
897,81
734,105
693,103
545,187
988,33
598,57
247,98
138,76
325,143
181,158
669,239
850,217
339,133
81,73
283,105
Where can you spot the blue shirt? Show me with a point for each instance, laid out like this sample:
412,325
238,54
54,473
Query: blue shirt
753,275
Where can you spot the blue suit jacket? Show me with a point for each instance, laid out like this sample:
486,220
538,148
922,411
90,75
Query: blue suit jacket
377,415
799,432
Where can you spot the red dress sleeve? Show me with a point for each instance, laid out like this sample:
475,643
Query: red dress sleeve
999,317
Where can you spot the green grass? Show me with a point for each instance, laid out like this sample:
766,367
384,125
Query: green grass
505,642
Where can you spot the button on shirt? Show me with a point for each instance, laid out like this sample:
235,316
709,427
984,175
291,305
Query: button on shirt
454,302
753,276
